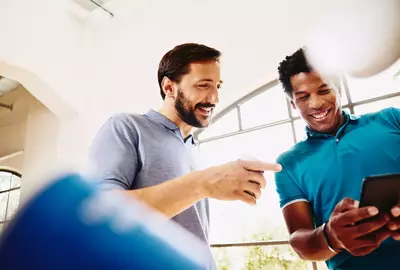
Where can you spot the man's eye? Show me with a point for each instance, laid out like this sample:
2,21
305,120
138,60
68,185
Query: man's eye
326,91
302,97
204,86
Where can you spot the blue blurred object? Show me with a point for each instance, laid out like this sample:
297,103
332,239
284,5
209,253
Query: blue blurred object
72,225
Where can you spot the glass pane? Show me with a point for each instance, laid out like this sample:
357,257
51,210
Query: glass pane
259,257
377,85
227,124
377,105
15,181
299,129
1,227
5,180
267,107
13,203
3,205
244,220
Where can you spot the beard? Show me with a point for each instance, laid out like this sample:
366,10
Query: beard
187,112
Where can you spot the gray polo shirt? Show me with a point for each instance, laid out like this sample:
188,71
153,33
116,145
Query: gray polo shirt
134,151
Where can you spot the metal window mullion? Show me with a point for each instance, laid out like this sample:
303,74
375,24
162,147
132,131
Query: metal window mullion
347,93
247,130
239,115
314,266
8,199
291,120
11,189
251,244
379,98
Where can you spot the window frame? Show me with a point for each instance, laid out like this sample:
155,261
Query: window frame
5,221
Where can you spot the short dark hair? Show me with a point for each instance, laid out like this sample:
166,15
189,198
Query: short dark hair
175,63
292,65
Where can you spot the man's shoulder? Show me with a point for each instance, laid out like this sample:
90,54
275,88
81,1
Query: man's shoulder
133,121
390,114
127,118
386,112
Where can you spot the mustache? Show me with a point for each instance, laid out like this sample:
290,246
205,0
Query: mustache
205,105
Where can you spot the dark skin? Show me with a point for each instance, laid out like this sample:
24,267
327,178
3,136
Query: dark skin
319,105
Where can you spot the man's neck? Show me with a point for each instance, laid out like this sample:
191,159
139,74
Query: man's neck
172,115
339,125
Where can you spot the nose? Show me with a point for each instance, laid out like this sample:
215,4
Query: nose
214,96
316,102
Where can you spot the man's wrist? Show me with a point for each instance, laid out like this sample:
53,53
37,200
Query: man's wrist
332,242
200,181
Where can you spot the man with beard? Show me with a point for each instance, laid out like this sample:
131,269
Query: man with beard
152,157
322,175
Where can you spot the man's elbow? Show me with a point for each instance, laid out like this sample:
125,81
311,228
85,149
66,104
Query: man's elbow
302,251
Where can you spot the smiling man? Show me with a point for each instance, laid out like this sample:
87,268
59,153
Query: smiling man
153,157
322,175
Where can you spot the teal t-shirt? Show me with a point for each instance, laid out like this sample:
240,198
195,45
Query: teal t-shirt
323,169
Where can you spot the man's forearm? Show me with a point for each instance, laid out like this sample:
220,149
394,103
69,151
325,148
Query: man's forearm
173,196
311,245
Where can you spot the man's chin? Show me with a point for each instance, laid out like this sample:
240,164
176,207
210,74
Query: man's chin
323,128
202,121
203,124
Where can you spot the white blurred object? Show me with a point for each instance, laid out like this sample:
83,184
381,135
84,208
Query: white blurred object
358,37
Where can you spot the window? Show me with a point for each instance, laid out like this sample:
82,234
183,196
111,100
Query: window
261,126
264,108
227,124
378,105
10,184
260,144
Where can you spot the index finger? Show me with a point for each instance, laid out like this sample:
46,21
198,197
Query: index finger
260,166
352,216
345,205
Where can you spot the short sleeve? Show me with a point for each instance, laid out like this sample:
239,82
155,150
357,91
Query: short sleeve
396,116
289,192
113,156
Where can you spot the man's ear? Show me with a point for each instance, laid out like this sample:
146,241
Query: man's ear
168,87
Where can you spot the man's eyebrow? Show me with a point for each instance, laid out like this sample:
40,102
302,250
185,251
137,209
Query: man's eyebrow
209,80
300,93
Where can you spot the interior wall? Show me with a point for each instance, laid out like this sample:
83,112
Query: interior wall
11,137
13,128
40,153
37,143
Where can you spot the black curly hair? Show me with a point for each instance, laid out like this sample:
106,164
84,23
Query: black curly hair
292,65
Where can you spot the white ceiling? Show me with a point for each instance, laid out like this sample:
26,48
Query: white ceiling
254,36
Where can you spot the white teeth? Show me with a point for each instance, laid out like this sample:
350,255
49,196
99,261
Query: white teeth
207,109
320,115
